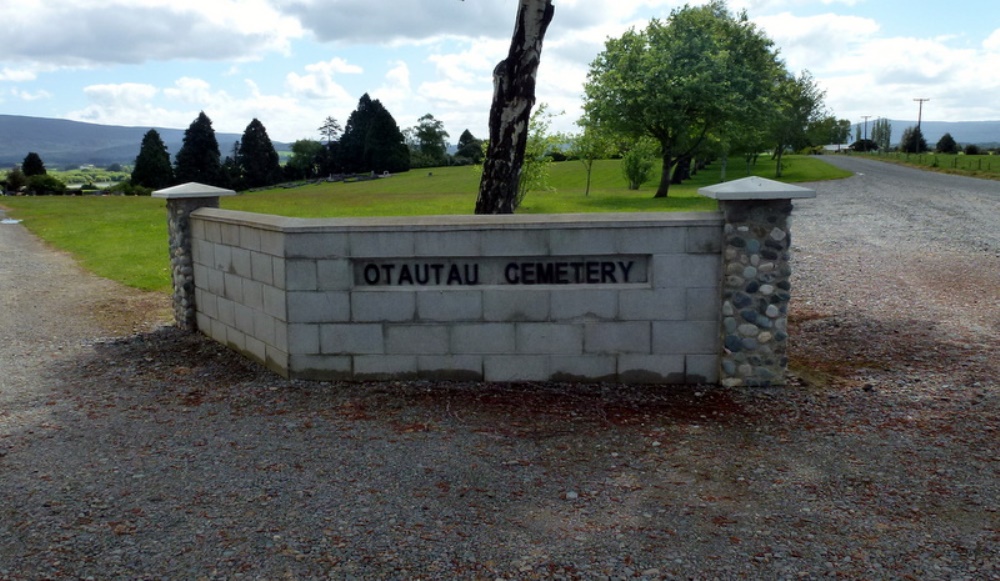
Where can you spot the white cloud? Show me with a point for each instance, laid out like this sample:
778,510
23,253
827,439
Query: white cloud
319,81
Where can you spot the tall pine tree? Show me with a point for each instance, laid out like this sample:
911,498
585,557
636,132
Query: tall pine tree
257,159
152,166
199,159
372,140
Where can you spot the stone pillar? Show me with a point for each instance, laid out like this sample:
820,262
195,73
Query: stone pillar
755,287
182,200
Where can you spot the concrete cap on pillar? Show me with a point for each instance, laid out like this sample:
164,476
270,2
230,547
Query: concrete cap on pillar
192,190
755,188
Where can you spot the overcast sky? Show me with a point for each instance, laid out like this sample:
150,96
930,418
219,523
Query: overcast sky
292,63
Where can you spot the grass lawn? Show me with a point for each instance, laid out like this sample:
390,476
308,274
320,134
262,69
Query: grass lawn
125,238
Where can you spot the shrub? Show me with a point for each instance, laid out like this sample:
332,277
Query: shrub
972,149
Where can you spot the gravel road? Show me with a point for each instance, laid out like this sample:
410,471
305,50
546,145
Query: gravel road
130,450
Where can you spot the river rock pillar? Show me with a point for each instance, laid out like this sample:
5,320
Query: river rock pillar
756,268
182,200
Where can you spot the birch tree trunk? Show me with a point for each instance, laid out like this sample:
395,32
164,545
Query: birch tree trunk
513,97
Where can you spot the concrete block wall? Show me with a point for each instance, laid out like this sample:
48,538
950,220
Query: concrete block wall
293,294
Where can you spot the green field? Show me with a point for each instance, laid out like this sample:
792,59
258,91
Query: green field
980,166
125,238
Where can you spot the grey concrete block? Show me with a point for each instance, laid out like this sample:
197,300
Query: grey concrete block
666,369
202,252
241,263
313,245
334,274
451,367
281,335
244,318
381,244
648,240
223,257
360,339
217,331
583,241
236,340
445,244
213,231
301,275
253,295
704,239
227,311
231,234
515,242
416,339
385,367
234,287
197,229
256,349
584,304
449,305
516,304
390,306
200,275
586,368
482,338
549,338
272,242
203,321
319,307
664,304
265,328
321,367
703,304
513,368
250,238
685,337
278,266
260,267
303,339
216,282
274,303
687,270
616,338
702,369
277,361
206,303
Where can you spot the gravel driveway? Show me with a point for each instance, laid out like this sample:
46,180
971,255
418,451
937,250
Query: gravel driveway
129,450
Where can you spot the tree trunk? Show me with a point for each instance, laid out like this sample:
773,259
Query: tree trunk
513,97
664,188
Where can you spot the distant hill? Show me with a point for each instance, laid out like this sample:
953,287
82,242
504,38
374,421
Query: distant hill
983,133
62,143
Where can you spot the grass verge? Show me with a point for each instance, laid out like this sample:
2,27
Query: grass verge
125,238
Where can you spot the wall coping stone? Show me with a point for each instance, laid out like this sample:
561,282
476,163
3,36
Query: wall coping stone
755,188
452,223
192,190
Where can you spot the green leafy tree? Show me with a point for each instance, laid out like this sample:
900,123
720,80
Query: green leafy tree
330,129
797,102
637,162
305,160
16,179
199,159
679,80
430,138
589,146
258,161
535,168
882,134
372,140
152,165
913,141
947,144
44,184
469,148
33,165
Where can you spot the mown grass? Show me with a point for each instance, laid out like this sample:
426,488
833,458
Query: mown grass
125,238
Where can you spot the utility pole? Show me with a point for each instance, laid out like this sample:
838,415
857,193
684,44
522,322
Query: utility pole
866,118
920,112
